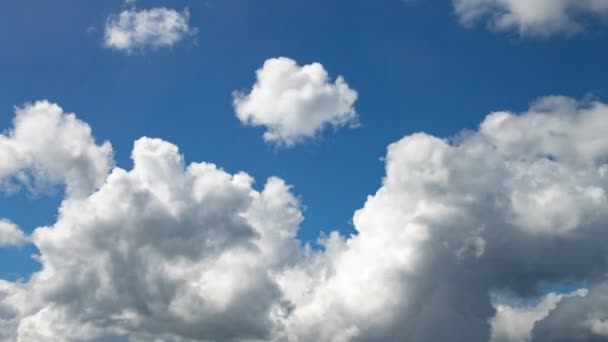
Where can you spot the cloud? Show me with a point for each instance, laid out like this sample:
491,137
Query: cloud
532,18
184,252
10,234
48,146
514,323
518,203
164,249
294,102
598,327
149,28
577,319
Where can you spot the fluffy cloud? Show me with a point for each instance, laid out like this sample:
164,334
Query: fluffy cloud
457,220
149,28
183,252
537,18
48,146
514,323
295,102
10,234
577,319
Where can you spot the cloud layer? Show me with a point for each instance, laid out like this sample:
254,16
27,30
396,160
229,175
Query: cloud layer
534,18
294,102
149,28
460,234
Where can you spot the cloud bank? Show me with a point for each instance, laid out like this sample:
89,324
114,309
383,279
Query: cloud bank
294,102
149,28
532,18
181,252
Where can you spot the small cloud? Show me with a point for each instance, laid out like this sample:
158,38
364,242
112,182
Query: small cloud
540,18
295,102
149,28
11,234
91,30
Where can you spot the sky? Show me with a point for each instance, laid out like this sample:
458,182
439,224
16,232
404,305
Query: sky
331,97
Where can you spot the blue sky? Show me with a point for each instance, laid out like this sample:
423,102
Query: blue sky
415,65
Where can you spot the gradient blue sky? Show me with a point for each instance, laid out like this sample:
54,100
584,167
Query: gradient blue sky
414,66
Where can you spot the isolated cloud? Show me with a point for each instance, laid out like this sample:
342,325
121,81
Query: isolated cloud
534,18
149,28
10,234
192,253
294,102
48,146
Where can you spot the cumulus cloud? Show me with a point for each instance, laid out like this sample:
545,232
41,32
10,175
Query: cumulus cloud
164,249
577,319
190,252
48,146
149,28
449,227
534,18
294,102
514,321
10,234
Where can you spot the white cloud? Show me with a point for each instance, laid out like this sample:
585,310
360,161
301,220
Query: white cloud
534,18
10,234
514,323
189,252
295,102
448,227
183,253
48,146
149,28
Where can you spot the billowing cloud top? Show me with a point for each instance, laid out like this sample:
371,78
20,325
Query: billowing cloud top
295,102
47,146
532,17
149,28
459,235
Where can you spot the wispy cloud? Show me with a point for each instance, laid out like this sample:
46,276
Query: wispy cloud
532,17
